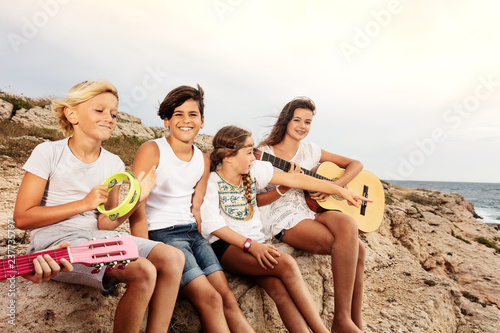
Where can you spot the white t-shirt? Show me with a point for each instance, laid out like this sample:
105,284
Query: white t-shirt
170,200
69,179
225,204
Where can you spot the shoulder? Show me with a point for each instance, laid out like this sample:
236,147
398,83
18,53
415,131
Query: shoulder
311,149
108,158
206,159
310,146
213,178
151,148
48,148
262,172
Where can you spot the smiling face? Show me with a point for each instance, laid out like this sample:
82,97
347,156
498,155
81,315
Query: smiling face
300,124
186,121
95,118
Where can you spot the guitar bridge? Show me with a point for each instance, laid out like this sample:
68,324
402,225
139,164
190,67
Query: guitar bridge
364,204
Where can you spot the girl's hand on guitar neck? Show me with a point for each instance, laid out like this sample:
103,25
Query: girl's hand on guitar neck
47,268
294,168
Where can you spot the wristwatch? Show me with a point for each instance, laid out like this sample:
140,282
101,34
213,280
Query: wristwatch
247,245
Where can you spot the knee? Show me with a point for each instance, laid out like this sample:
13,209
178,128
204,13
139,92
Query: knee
141,274
167,259
229,300
361,253
209,298
289,266
348,226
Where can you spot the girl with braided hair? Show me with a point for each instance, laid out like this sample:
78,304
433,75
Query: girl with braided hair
231,223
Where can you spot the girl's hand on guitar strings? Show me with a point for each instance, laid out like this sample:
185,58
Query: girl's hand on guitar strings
353,199
318,196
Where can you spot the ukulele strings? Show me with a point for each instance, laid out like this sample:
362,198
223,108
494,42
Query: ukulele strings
55,254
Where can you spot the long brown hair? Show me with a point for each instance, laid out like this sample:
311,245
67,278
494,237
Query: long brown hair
227,142
279,129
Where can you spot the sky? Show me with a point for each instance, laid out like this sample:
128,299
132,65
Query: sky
409,88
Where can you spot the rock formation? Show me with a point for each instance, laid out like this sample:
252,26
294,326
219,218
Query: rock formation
428,267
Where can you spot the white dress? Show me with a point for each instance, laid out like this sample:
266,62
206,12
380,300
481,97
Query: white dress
288,210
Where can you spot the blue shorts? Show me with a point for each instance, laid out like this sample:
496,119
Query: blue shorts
200,258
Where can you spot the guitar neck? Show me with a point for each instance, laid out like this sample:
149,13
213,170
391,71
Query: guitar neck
20,265
285,165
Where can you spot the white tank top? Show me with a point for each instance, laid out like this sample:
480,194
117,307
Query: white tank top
169,202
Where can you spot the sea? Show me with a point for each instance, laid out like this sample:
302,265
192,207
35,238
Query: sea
484,196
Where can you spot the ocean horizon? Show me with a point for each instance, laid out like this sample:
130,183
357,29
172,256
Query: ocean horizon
484,196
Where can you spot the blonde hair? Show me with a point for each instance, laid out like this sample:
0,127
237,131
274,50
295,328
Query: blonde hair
227,142
80,93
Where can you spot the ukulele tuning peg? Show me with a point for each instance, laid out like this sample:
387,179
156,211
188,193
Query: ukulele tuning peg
111,265
123,264
97,268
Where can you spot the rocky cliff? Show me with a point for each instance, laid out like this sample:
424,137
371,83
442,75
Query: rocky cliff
431,267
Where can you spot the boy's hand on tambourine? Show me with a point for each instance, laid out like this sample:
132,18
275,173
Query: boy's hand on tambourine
97,195
47,268
264,253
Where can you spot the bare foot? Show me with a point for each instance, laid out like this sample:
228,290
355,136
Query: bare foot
344,326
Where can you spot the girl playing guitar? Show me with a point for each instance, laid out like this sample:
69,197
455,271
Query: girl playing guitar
287,217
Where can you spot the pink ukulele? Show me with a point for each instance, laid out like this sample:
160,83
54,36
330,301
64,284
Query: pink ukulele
98,253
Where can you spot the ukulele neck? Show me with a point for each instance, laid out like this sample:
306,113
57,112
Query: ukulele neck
20,265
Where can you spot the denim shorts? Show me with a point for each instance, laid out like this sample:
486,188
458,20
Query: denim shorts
200,258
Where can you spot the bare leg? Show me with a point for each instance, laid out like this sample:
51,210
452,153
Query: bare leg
237,261
236,321
169,263
357,299
289,313
336,234
208,302
140,277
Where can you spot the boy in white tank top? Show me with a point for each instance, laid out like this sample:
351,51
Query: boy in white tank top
172,212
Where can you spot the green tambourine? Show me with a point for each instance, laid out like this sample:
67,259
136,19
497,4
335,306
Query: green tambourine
131,199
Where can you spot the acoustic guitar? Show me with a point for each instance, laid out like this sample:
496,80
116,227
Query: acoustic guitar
369,215
111,252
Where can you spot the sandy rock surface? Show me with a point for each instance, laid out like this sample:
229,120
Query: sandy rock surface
425,272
